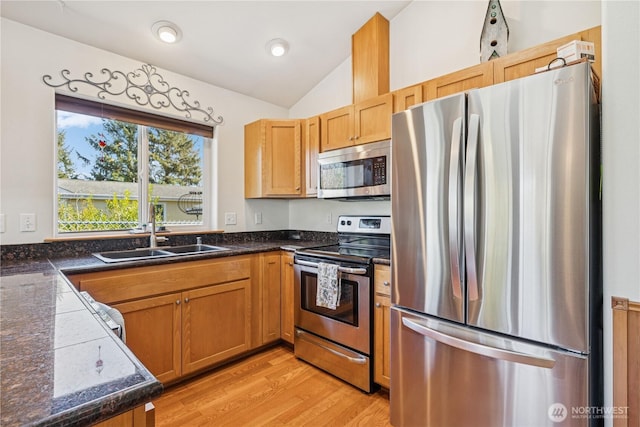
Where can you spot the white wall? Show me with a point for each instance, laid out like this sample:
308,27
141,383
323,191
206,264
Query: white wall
621,162
27,135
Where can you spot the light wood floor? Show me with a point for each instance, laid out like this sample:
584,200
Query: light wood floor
271,388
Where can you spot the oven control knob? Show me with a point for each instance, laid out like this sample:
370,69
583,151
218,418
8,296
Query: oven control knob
342,222
348,222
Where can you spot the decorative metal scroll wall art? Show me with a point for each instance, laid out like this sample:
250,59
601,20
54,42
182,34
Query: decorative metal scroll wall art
144,85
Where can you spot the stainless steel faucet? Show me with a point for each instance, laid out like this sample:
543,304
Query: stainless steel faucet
153,239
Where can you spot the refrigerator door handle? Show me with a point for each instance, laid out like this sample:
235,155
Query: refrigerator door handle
481,349
454,208
470,177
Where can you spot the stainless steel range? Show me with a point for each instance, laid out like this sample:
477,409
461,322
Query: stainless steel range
337,336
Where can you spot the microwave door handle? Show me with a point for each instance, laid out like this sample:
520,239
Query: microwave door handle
454,208
470,180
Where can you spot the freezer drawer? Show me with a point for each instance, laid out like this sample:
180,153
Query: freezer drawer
448,375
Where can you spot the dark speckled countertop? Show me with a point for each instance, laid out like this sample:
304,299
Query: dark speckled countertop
59,363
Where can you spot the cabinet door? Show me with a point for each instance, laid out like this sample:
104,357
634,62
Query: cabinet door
216,324
381,340
382,325
286,301
406,97
470,78
271,297
336,129
152,327
311,149
283,158
525,62
373,119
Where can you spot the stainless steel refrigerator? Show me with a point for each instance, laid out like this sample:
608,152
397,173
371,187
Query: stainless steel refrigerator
496,284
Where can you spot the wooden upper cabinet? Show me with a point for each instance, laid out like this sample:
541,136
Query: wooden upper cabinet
370,59
525,62
373,119
460,81
273,158
336,129
311,147
407,97
360,123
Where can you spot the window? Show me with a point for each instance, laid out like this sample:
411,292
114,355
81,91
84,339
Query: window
109,159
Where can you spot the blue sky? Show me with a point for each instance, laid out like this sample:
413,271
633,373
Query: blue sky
76,127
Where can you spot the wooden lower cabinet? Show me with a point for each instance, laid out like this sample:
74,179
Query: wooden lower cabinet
153,329
287,301
382,326
216,324
141,416
270,297
203,316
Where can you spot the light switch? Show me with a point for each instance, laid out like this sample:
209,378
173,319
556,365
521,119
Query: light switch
258,218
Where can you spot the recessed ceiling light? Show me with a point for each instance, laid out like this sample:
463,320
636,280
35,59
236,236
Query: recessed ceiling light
166,31
277,47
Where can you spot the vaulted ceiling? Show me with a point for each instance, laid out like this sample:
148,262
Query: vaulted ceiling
223,42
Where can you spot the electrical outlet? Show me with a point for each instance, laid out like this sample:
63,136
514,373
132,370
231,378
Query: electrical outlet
230,218
28,222
258,218
3,224
329,218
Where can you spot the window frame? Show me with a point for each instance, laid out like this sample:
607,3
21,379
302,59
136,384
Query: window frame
144,120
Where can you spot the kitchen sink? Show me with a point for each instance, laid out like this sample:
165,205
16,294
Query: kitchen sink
147,253
190,249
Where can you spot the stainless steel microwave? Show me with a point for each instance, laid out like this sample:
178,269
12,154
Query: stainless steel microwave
361,171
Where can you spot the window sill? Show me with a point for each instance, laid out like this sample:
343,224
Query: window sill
126,236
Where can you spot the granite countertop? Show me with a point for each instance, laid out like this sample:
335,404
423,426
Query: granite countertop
60,364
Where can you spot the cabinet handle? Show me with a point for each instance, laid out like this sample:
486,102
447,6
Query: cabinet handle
386,283
290,263
378,305
186,300
177,302
297,188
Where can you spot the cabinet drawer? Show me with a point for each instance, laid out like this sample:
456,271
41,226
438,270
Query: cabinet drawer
132,283
382,279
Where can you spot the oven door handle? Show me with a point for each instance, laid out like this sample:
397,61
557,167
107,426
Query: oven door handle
361,360
341,269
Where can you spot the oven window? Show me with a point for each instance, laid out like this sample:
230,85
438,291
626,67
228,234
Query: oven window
347,310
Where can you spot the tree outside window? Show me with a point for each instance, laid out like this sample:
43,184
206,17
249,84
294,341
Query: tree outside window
105,166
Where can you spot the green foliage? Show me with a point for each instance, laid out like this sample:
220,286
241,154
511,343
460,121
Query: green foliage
83,215
66,167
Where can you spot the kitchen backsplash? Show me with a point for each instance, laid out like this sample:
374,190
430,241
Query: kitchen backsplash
76,248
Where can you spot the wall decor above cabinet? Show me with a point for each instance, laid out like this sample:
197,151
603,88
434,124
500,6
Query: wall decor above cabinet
144,85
